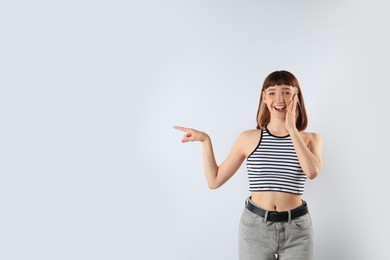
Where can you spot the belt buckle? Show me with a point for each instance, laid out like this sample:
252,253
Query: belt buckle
272,215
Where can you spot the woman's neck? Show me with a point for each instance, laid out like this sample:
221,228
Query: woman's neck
277,127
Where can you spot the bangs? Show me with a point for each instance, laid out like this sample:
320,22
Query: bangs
278,78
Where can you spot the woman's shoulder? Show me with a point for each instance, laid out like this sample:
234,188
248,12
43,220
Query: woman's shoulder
250,133
249,136
248,140
311,136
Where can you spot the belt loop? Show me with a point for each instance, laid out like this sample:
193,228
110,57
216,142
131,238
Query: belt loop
266,216
247,201
289,216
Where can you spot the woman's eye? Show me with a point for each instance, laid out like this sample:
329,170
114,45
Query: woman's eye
287,93
271,93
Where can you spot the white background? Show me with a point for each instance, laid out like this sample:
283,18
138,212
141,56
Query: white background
91,168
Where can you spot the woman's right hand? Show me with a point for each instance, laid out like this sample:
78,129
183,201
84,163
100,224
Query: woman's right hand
191,135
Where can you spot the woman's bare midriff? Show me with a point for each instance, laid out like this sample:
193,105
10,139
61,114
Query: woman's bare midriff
276,201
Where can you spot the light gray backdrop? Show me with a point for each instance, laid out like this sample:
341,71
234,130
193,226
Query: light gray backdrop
91,168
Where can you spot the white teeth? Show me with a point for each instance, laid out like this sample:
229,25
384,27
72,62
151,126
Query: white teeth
279,107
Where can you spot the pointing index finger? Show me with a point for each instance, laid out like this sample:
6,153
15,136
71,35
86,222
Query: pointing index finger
184,129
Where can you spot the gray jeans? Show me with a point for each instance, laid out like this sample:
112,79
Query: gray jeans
261,240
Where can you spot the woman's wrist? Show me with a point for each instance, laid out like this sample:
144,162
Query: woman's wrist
205,137
292,129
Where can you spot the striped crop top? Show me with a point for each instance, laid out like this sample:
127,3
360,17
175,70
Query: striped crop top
274,165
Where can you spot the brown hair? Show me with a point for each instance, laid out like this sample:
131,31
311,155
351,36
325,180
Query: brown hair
276,78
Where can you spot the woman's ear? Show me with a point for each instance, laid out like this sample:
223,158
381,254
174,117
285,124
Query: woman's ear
263,97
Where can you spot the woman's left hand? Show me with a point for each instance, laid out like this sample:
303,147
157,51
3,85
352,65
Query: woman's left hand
291,113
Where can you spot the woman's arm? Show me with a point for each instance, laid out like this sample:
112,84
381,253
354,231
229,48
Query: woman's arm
309,155
216,175
310,152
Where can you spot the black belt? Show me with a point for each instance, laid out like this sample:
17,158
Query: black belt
277,216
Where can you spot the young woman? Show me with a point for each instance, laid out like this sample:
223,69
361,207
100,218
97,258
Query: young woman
280,156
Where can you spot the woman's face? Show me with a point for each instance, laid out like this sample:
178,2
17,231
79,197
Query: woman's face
277,98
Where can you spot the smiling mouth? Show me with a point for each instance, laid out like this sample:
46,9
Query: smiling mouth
279,108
